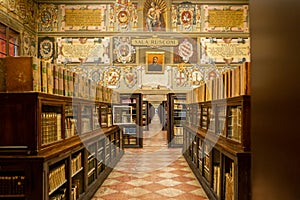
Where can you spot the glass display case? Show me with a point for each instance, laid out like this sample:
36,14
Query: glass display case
122,115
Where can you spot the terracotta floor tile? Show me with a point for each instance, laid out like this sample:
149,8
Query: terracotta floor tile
153,196
154,172
120,187
186,187
153,187
188,196
117,196
183,179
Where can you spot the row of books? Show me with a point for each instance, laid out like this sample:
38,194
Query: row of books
177,140
216,180
179,106
229,187
229,183
128,101
57,177
206,160
70,127
181,113
109,120
234,124
76,163
32,74
75,189
71,110
215,120
103,120
128,139
178,130
129,130
91,164
12,185
51,127
179,101
179,122
231,83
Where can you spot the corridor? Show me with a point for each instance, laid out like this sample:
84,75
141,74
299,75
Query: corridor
152,172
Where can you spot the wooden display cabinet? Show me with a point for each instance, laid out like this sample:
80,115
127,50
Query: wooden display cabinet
176,118
218,151
54,147
189,114
145,115
73,171
122,115
104,115
133,131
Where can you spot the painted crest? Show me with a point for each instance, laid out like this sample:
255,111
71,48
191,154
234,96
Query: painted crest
185,50
46,49
126,14
96,76
112,77
196,77
180,77
123,18
186,18
48,17
124,52
130,77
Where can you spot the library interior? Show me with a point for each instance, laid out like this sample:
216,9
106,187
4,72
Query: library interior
128,99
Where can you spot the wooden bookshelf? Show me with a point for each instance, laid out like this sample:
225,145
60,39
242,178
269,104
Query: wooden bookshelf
54,146
105,115
133,131
176,118
217,134
218,148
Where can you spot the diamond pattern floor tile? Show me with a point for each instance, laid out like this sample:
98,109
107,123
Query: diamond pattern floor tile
169,182
167,175
154,172
136,192
170,192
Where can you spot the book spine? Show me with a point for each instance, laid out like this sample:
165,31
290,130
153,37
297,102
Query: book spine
58,127
60,81
56,79
101,93
49,78
56,177
71,83
97,92
66,82
44,76
245,78
36,83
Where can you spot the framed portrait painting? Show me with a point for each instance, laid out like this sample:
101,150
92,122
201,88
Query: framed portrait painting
155,62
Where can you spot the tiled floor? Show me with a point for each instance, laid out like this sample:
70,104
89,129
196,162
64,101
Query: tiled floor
153,172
